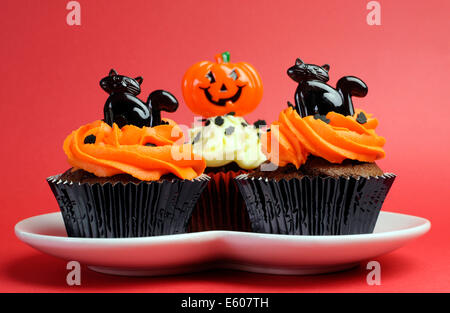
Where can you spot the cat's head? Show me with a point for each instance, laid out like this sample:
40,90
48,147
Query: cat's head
120,84
302,71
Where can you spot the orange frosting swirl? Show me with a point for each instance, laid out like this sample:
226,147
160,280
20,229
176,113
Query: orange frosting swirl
119,151
342,138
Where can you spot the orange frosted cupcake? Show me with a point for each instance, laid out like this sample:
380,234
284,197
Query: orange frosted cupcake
322,178
132,175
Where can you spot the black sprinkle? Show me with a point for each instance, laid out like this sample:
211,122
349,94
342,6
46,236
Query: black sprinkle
196,138
290,104
90,139
207,122
219,121
229,130
244,124
361,118
149,144
231,113
317,116
260,123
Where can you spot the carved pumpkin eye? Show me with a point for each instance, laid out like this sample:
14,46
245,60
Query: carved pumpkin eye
234,75
211,78
149,144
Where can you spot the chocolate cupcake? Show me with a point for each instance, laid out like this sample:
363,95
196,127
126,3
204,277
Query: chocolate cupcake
131,174
322,178
222,93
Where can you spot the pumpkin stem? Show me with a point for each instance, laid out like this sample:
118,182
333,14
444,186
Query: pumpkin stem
223,57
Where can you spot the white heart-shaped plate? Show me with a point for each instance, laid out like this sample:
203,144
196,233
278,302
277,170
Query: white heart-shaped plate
254,252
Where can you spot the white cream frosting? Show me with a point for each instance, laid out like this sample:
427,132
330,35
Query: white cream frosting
234,140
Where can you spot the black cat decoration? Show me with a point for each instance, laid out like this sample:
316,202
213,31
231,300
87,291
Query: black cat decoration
123,107
314,97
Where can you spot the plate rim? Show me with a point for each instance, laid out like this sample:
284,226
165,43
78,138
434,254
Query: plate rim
417,230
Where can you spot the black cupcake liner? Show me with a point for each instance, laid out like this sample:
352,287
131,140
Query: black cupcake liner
221,206
314,205
126,209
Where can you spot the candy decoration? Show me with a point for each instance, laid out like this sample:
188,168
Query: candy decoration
124,108
314,96
321,117
90,139
260,123
361,118
220,88
219,121
229,130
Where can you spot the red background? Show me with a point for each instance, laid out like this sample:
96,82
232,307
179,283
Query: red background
49,76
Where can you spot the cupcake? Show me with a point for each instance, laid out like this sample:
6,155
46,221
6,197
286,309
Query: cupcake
222,93
322,178
132,175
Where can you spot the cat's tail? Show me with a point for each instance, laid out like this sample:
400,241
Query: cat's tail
351,86
160,100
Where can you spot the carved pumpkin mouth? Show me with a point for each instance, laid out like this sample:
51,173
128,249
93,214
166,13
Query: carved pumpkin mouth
223,102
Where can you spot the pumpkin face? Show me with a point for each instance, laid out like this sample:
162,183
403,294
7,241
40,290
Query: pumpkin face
212,89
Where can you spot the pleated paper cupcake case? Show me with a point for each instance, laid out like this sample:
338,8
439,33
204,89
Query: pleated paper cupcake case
221,206
127,210
314,205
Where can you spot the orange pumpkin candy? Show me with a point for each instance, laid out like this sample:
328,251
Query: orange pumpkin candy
212,89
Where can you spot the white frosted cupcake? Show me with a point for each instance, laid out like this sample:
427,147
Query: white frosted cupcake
222,93
231,147
226,139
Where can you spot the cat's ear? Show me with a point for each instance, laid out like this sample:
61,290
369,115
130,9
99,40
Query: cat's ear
139,79
326,67
298,61
112,72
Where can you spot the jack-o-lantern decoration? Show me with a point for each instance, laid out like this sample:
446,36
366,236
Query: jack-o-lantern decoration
212,89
